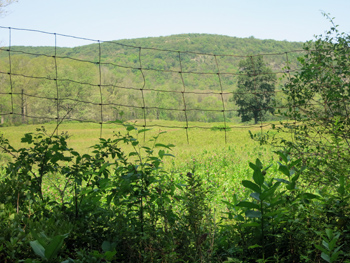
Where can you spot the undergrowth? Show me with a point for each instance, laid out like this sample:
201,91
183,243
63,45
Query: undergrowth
58,205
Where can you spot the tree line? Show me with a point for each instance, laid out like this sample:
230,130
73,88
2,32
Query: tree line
170,80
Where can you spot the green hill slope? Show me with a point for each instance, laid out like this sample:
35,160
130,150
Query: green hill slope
148,77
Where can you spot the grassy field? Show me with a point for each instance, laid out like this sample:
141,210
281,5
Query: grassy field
200,140
221,165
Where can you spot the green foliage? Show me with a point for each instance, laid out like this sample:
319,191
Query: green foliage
197,221
281,217
264,210
45,247
319,108
78,80
122,206
330,253
318,114
26,172
124,202
255,91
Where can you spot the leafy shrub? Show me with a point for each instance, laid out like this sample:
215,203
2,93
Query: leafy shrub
318,110
124,199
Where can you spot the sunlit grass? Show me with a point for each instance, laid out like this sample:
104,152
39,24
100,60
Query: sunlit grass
84,135
221,164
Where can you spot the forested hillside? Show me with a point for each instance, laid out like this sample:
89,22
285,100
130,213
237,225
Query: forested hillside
177,77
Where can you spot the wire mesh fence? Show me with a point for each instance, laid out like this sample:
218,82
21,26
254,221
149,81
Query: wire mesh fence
109,80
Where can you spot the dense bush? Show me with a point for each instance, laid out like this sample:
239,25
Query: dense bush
111,205
318,110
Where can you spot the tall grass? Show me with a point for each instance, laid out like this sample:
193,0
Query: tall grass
222,165
83,135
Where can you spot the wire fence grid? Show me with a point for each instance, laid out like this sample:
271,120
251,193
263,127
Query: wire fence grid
102,97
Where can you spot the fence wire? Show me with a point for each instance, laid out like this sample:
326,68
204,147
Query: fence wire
40,88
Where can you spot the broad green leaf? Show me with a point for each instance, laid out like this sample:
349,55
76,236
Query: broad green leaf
130,127
329,233
248,205
40,237
325,257
109,255
291,186
253,214
146,148
337,249
54,246
256,196
252,165
168,146
258,164
104,166
335,256
270,192
321,249
168,154
235,199
38,248
28,138
295,177
161,153
332,244
283,156
284,169
282,180
133,154
251,185
325,244
143,130
258,177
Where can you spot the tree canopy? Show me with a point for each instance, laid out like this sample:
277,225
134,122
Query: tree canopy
78,77
255,89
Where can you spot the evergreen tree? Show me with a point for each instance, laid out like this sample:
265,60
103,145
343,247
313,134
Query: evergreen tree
255,89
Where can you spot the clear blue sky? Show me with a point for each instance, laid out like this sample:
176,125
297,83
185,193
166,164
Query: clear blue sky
293,20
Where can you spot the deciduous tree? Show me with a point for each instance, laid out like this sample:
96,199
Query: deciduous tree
255,89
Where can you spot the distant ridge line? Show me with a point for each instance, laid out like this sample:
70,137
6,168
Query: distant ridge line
148,48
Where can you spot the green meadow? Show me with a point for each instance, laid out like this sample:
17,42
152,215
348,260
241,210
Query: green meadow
222,165
203,141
